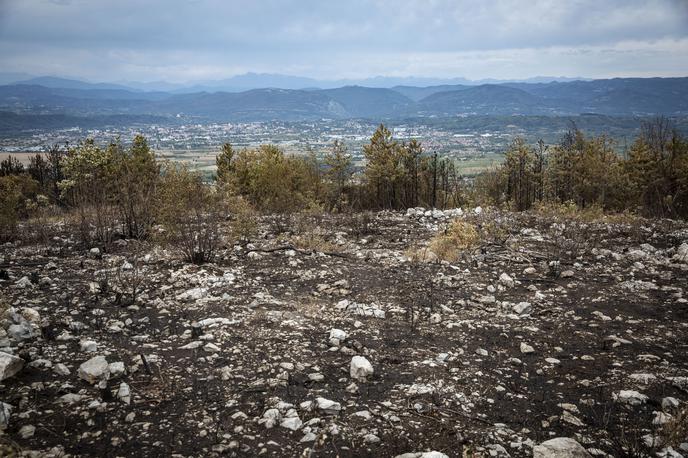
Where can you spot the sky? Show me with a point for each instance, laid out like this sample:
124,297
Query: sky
185,41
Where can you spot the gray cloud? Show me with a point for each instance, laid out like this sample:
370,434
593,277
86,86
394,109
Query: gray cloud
183,40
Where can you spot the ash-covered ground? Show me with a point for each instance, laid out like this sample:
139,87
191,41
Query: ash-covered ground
334,340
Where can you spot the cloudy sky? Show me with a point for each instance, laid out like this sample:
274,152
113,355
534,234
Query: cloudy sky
197,40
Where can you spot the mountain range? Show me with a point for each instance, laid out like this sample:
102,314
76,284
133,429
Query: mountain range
616,97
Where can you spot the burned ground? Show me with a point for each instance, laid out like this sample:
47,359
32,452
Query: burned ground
551,328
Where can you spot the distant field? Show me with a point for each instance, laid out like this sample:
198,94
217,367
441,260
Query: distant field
22,157
203,160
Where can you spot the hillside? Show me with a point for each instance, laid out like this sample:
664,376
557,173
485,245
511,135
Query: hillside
618,97
349,348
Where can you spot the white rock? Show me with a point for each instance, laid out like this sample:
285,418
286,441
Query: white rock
327,406
525,348
94,370
630,397
124,393
5,414
506,280
682,253
432,454
23,282
522,308
31,315
211,348
69,398
560,447
360,368
9,365
371,439
643,379
669,403
116,369
337,336
193,294
292,423
27,431
271,417
88,346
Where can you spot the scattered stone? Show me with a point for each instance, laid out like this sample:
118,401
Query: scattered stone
328,407
360,368
560,447
94,370
10,365
526,349
630,397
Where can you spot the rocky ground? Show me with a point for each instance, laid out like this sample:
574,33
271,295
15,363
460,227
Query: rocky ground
336,340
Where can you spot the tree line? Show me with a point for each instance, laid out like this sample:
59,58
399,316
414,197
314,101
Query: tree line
650,179
116,191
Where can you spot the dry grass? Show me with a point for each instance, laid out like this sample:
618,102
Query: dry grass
675,432
457,238
314,242
591,214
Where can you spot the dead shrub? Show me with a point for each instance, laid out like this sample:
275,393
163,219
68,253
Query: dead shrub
310,235
675,431
244,218
190,213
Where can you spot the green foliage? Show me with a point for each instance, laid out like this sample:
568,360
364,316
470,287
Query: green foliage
399,175
587,173
272,181
339,169
16,195
657,171
135,172
89,188
111,185
224,164
11,166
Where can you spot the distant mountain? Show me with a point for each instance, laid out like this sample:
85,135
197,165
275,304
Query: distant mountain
617,97
488,99
365,102
13,77
417,93
64,83
254,105
12,123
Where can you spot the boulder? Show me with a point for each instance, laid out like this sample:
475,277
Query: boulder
337,336
506,280
522,308
94,370
328,407
682,253
560,447
360,368
9,365
630,397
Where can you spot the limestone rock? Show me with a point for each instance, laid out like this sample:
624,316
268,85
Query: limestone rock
9,365
560,447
